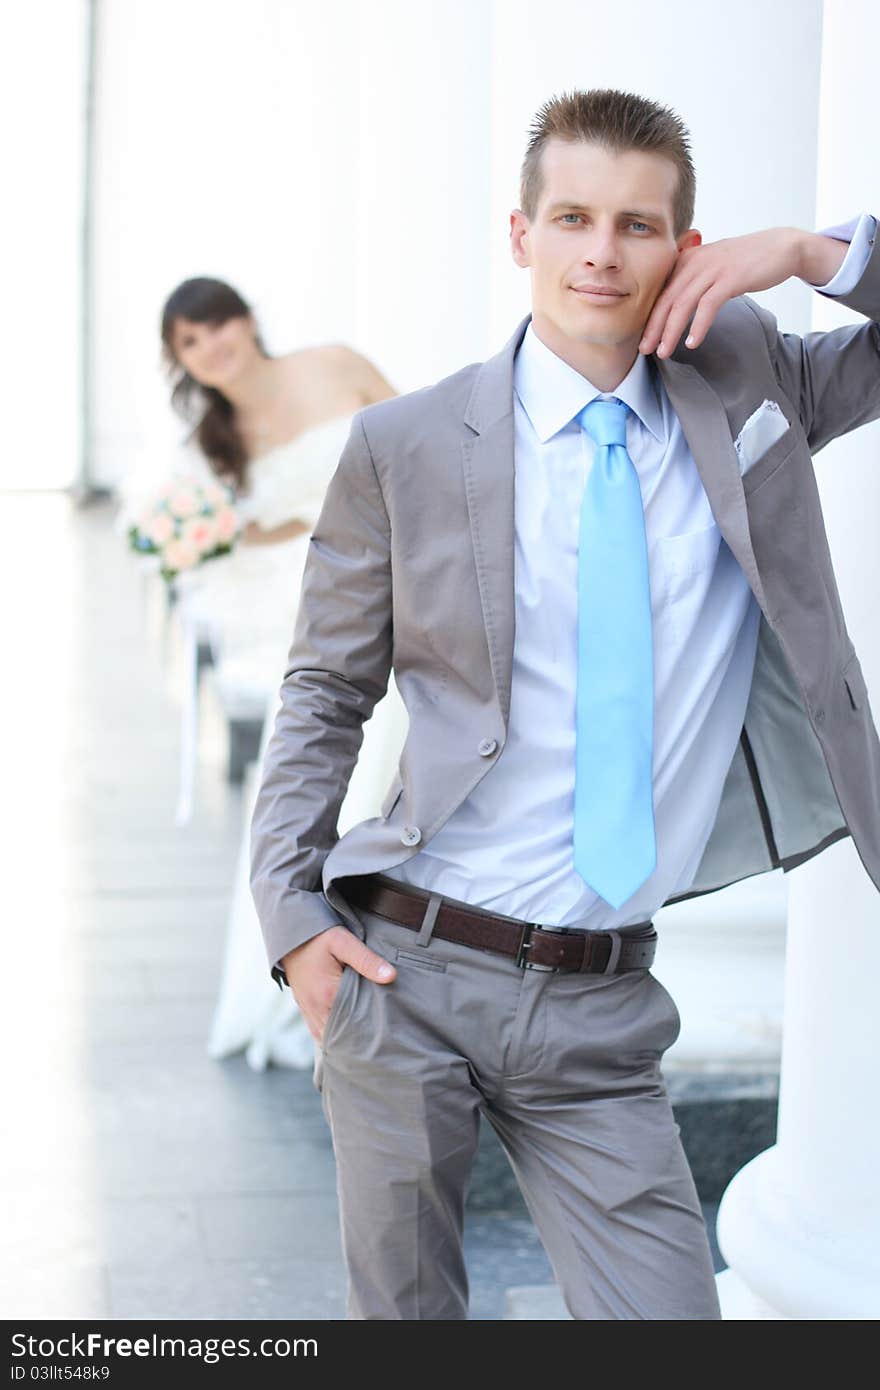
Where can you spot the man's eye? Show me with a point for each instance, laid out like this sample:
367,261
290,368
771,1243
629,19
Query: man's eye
633,223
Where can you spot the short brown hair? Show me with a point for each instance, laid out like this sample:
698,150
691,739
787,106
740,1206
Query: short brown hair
618,121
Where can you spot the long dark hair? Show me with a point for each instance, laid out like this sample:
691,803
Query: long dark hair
212,415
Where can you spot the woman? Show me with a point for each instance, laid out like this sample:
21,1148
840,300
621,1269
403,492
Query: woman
273,428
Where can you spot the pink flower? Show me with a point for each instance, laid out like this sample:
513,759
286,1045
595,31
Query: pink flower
200,532
179,555
216,494
184,502
227,524
159,528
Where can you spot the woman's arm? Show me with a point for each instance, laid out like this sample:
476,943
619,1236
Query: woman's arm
254,534
374,384
363,374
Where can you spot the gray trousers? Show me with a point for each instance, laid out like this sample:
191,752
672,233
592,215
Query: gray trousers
566,1068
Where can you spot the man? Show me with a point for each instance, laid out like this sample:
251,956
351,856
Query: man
598,564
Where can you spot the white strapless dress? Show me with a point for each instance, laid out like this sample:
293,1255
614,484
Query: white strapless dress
256,601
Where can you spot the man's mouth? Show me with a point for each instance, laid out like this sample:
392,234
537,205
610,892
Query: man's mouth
599,294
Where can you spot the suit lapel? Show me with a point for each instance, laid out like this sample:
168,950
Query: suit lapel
488,466
488,463
705,426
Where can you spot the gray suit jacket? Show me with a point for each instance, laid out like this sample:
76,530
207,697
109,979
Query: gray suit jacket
410,565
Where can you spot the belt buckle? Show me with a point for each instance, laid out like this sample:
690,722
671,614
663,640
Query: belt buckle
525,945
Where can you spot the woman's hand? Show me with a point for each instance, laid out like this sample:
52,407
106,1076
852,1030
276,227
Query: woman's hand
253,533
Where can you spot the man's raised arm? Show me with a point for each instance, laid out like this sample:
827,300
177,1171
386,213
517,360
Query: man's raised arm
833,377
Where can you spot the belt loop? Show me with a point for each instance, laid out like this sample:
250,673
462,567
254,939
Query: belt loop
427,927
616,948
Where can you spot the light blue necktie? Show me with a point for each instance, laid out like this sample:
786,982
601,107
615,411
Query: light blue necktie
614,843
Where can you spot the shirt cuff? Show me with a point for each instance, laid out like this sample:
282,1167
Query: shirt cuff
860,233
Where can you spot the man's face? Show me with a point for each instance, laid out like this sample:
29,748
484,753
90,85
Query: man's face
604,219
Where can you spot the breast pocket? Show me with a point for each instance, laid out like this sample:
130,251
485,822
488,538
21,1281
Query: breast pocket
772,459
684,558
683,565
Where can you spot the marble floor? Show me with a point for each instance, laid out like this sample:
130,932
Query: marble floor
138,1177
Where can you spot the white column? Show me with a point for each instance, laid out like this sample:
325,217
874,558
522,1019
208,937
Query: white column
799,1226
43,96
420,171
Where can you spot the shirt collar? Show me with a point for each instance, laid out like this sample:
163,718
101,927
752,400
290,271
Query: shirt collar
552,392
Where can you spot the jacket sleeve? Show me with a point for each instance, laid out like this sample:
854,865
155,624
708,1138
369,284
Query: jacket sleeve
833,378
337,670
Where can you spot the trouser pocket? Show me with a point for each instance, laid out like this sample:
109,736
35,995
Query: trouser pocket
339,1009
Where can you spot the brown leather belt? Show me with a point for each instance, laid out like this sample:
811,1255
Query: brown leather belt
528,944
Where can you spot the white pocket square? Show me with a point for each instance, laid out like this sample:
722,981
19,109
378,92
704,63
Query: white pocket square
763,427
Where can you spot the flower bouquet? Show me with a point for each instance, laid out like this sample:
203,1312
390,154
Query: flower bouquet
187,523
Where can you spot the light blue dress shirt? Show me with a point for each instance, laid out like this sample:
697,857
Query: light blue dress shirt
508,847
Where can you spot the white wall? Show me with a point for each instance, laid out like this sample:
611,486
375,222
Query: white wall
227,147
42,116
320,159
422,237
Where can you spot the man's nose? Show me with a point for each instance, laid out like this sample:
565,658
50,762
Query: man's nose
603,248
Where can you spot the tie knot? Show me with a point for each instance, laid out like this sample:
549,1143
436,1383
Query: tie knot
605,421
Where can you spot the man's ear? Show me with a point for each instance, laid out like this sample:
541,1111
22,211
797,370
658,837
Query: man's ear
519,226
685,242
689,239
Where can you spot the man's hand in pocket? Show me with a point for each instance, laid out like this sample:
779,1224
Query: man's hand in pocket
314,972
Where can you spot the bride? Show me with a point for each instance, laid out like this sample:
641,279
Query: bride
273,428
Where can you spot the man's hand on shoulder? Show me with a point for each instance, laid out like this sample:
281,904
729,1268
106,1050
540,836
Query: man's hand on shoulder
314,972
706,277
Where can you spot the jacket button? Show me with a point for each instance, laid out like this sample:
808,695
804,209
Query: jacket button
487,747
411,835
820,715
